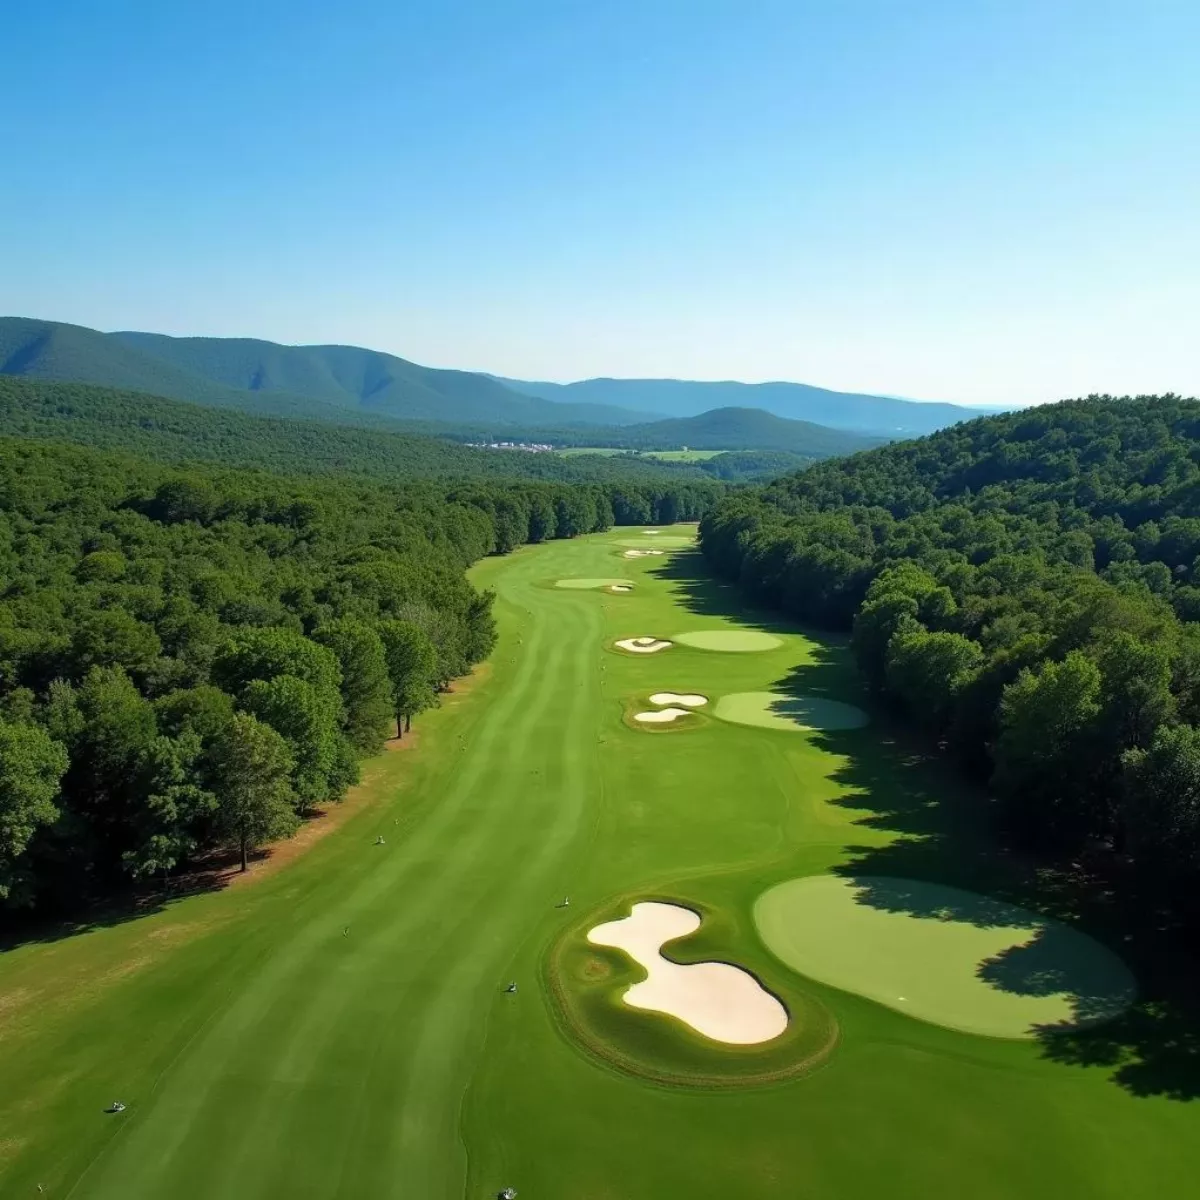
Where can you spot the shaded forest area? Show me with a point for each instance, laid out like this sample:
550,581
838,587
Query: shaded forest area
193,658
1025,588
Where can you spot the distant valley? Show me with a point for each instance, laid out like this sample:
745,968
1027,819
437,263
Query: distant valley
349,385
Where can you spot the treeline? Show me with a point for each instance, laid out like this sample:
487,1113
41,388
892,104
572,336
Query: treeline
1024,587
193,658
174,431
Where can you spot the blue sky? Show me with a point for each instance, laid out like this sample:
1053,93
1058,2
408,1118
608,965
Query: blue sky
976,201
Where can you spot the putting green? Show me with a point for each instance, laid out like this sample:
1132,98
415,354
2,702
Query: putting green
737,641
794,714
582,584
955,958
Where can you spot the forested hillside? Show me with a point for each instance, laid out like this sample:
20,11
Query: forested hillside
1025,587
172,431
192,658
347,384
726,429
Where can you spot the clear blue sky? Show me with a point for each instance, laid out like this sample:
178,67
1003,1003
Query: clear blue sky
972,200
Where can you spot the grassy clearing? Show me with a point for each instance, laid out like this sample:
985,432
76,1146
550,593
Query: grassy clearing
265,1052
683,455
661,455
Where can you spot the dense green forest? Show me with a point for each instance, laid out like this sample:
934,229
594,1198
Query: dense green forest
1026,588
191,658
173,431
102,416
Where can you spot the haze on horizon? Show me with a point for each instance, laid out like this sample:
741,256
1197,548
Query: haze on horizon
988,203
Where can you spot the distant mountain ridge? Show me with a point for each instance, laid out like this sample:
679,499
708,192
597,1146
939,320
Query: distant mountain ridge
352,385
339,383
880,416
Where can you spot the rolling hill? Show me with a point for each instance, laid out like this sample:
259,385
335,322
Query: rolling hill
742,429
339,383
882,416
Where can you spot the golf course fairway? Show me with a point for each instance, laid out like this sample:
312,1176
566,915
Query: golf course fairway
340,1026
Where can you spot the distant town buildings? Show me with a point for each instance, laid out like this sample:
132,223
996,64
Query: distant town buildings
531,447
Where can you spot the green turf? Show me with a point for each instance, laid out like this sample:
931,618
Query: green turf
793,714
585,584
263,1054
663,541
682,455
731,641
942,954
661,455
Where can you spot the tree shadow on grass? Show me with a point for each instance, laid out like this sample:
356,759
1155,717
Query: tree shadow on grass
697,591
213,873
945,833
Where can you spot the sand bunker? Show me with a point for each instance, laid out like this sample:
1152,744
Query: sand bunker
720,1001
641,553
687,699
794,714
662,716
650,532
947,956
611,584
620,587
737,641
643,645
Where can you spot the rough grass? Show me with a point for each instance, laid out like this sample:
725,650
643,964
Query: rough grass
262,1053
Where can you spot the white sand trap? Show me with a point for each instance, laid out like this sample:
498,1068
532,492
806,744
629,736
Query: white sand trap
720,1001
643,645
620,587
641,553
687,699
662,716
650,532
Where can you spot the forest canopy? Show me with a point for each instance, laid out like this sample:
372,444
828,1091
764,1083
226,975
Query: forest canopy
194,657
1026,588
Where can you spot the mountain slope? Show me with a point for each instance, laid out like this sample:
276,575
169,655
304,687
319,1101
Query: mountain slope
883,416
355,378
743,429
342,383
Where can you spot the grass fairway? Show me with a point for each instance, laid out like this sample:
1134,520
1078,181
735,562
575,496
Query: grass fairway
265,1052
588,584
